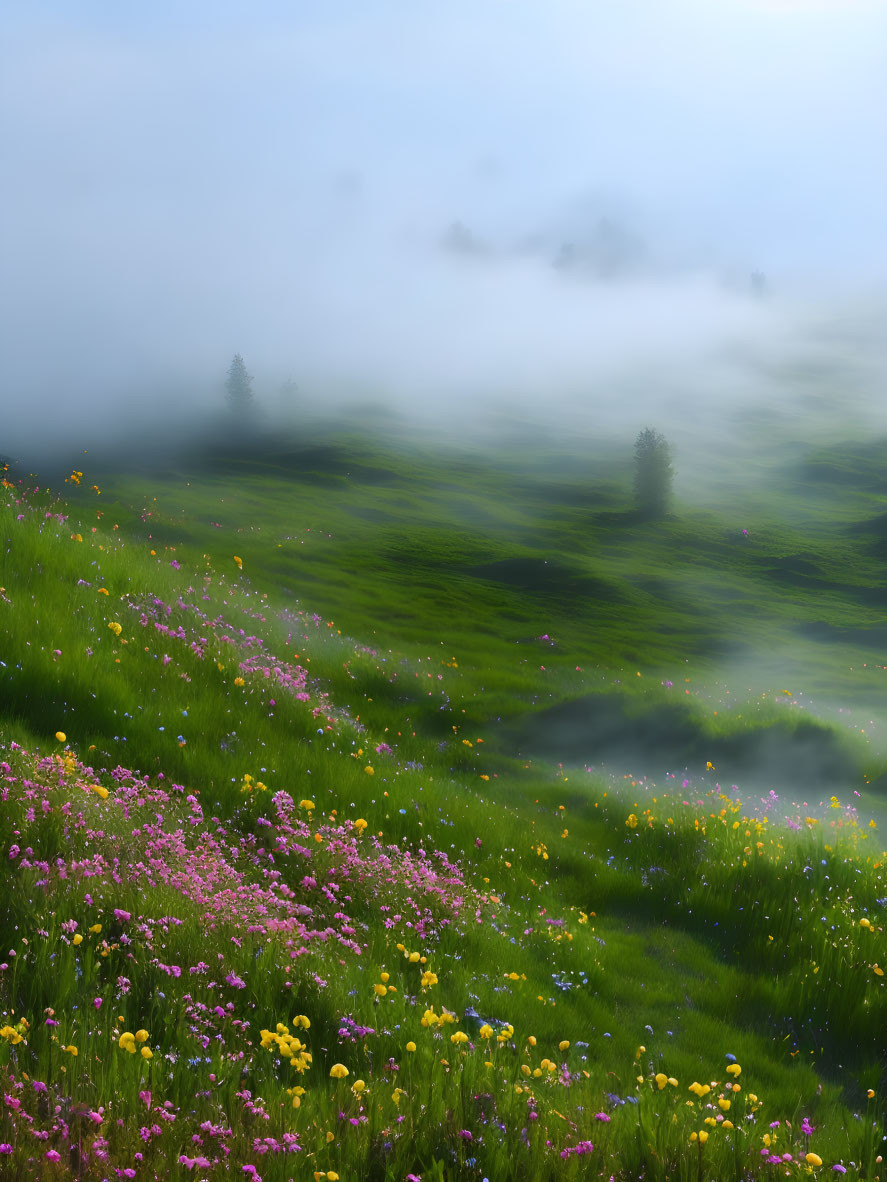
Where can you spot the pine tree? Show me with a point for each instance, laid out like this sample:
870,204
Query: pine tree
239,387
653,474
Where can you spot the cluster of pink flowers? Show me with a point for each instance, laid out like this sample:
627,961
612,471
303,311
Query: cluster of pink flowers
278,883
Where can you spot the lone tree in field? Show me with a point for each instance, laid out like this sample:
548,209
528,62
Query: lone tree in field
653,474
239,387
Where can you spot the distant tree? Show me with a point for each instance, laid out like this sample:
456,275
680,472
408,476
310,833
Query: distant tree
239,387
653,474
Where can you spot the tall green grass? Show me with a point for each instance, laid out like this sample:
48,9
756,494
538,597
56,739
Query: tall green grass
661,928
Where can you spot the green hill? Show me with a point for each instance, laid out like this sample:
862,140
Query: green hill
378,811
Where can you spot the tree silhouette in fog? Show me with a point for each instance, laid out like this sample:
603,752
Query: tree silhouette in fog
239,387
653,474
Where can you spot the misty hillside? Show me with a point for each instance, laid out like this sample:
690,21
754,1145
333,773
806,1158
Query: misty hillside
334,771
443,504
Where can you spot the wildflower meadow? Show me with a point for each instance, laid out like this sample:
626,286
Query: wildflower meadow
290,893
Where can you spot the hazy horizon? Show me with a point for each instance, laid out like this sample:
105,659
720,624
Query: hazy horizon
441,208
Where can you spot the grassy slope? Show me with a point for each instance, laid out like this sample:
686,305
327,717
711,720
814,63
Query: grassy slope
482,555
448,574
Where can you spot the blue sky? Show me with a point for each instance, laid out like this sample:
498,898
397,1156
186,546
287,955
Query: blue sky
190,179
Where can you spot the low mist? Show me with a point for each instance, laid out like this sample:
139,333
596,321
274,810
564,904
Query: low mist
590,218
